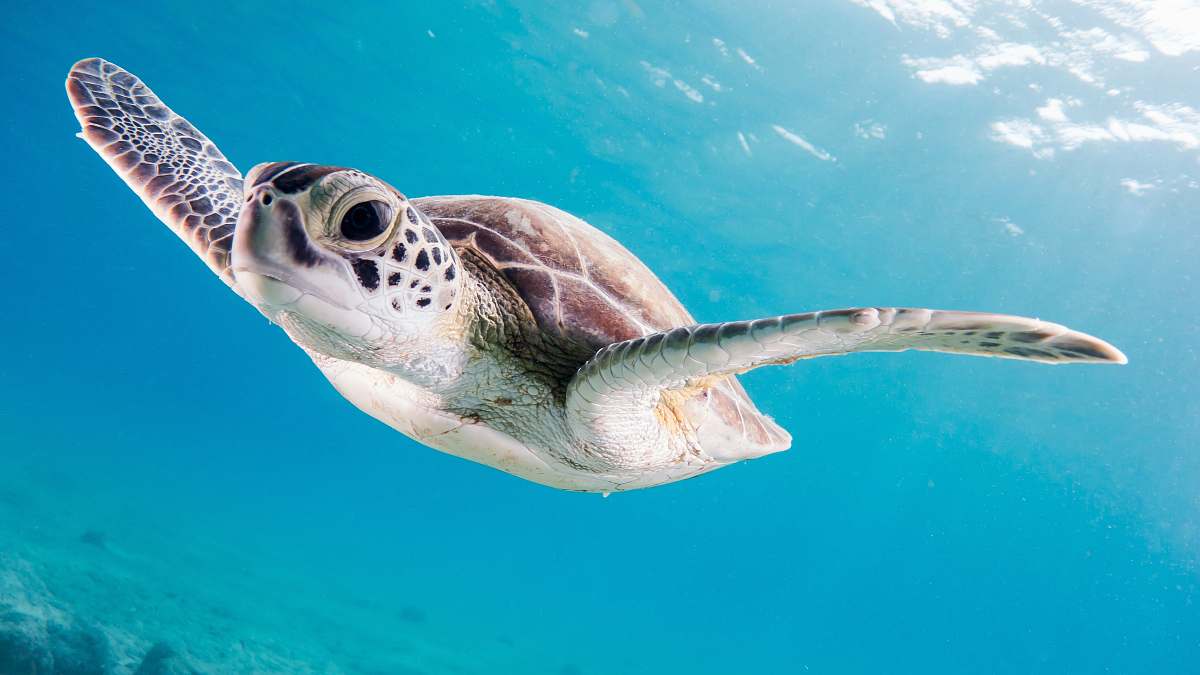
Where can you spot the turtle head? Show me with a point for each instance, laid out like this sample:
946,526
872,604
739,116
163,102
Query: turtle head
346,264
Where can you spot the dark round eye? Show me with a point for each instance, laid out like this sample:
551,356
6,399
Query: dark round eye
365,220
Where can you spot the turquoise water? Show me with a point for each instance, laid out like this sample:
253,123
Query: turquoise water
174,472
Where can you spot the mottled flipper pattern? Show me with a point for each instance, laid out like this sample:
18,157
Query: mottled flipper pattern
174,168
630,373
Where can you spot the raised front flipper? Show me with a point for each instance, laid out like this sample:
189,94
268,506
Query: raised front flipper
618,392
174,168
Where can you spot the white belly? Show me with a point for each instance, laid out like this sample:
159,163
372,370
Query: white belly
417,414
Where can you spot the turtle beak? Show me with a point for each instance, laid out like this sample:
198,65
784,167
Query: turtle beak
274,261
286,275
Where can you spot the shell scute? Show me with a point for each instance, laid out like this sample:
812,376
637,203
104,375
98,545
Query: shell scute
599,293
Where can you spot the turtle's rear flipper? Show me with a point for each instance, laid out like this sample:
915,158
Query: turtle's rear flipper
174,168
619,390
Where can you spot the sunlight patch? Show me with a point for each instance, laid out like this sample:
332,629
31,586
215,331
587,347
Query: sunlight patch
689,91
659,76
961,69
1011,228
1021,133
1134,187
940,16
956,70
1172,26
1009,54
795,139
1173,123
748,59
1053,111
1111,38
870,129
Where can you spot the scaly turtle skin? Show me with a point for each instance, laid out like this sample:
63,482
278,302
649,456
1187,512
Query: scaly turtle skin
500,330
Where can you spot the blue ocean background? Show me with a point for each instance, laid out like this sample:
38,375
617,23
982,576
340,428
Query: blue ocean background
181,489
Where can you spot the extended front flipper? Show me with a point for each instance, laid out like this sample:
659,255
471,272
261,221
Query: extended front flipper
616,395
174,168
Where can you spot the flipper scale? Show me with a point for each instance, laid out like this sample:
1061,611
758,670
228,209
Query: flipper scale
179,174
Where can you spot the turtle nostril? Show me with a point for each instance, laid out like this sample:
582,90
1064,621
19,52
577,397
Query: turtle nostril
266,199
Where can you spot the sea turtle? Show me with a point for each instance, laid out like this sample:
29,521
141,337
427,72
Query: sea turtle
501,330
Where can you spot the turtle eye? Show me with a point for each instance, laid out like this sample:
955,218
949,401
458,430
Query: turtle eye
365,221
